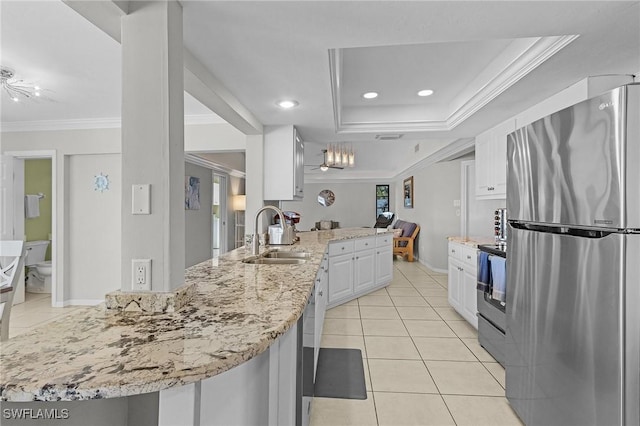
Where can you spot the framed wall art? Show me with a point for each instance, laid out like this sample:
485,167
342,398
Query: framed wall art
192,193
408,192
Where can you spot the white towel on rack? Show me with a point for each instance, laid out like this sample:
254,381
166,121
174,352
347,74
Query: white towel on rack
32,206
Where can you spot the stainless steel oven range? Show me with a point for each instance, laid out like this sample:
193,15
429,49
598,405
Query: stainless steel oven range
491,310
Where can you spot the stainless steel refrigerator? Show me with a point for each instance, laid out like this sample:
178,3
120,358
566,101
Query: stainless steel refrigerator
573,264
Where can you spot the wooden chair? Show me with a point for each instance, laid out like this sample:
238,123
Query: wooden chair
11,264
405,249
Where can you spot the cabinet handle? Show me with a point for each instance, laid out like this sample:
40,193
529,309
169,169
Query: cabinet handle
491,188
469,257
320,293
357,258
317,279
453,251
366,244
342,248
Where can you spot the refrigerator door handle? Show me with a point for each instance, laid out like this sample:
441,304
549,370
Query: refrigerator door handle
564,230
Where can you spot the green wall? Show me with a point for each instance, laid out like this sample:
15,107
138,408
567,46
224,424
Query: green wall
37,178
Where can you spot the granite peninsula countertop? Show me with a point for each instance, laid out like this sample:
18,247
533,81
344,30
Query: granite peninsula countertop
237,312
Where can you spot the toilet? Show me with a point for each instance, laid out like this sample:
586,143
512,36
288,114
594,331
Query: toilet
38,270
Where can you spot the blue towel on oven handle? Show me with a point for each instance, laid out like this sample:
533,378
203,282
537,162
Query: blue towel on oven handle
499,278
484,272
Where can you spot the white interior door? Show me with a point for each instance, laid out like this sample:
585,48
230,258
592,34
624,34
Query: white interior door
12,207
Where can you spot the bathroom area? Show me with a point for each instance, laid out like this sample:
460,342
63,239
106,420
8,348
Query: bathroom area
38,228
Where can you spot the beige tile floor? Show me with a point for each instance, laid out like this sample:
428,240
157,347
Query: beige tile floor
423,364
34,312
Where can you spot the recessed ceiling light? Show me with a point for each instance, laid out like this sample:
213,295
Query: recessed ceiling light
286,104
370,95
425,92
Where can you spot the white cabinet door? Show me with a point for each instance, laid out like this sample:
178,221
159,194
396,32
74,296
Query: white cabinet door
384,264
321,306
483,163
469,297
298,176
364,270
491,161
340,277
455,272
283,163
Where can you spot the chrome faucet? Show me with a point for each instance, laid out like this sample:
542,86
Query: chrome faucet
255,241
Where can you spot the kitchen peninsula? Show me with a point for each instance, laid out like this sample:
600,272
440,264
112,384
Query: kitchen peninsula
237,315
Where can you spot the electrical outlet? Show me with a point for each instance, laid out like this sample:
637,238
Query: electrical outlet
141,274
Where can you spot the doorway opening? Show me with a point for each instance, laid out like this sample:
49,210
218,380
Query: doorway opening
32,214
219,215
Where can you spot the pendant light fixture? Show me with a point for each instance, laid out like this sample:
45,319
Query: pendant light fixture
340,155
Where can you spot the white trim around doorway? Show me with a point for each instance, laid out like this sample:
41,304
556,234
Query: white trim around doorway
57,292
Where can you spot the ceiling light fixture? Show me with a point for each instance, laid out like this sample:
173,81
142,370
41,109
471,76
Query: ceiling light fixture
287,104
370,95
425,92
16,89
340,155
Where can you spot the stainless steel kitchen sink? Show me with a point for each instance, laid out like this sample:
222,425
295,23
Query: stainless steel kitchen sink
260,260
277,254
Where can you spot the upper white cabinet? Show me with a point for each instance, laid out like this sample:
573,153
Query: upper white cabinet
283,163
491,161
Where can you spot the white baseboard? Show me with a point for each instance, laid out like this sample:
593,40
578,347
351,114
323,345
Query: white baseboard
434,269
85,302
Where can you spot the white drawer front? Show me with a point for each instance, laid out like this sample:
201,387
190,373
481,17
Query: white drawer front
340,247
384,240
455,250
365,243
470,256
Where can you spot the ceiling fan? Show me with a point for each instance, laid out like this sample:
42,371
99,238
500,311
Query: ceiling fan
325,166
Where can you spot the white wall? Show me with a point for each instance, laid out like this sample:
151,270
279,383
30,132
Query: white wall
68,143
355,204
435,188
198,223
94,228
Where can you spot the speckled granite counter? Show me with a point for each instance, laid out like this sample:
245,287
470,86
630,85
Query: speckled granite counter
472,241
237,312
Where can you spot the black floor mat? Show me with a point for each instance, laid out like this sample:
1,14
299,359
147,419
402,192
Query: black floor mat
340,374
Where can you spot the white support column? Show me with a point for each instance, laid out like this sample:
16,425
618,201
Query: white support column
153,141
180,406
254,180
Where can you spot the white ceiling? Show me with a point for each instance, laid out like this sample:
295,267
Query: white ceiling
264,51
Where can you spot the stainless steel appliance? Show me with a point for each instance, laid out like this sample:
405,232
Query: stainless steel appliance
491,312
500,226
573,262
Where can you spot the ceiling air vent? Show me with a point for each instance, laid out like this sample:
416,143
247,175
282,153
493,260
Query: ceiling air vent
389,137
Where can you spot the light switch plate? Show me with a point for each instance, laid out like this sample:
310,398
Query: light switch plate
141,198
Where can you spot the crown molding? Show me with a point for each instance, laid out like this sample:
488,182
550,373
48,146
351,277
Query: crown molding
199,161
543,49
380,180
93,123
528,60
47,125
